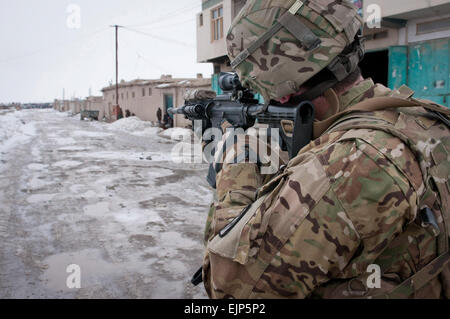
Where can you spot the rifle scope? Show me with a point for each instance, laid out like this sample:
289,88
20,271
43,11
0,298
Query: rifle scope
229,81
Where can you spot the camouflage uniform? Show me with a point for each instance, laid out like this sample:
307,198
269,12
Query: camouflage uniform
373,189
339,206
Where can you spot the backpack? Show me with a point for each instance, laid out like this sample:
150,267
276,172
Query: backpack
434,201
424,129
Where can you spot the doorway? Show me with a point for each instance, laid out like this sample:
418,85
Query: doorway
168,104
375,65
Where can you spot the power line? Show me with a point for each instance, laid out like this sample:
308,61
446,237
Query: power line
179,23
144,58
151,63
174,13
55,45
169,15
189,45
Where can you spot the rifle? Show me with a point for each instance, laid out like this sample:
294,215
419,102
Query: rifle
238,106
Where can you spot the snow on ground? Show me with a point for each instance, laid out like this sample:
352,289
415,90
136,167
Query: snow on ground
133,125
13,130
177,133
93,194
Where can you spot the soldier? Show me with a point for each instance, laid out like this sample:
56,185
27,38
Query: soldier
363,211
159,115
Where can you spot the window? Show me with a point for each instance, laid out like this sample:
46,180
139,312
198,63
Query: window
133,95
121,95
149,91
217,24
127,95
143,91
200,20
433,26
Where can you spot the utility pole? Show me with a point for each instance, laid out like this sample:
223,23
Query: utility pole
116,27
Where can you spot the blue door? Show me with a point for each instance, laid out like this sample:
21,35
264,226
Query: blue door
398,66
429,72
168,102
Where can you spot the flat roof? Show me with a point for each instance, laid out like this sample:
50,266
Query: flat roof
162,83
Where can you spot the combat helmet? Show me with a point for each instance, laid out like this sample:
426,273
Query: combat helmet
276,46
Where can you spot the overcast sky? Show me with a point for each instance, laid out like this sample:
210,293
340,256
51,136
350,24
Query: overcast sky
42,51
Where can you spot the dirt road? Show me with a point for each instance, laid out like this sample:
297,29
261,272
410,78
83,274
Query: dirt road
75,192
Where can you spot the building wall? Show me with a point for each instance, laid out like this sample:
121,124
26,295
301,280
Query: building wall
206,48
389,37
397,8
95,103
178,94
411,35
75,106
145,106
416,59
108,102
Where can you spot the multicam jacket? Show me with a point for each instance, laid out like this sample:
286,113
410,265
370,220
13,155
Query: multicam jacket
356,199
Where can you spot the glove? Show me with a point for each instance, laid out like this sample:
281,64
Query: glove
198,94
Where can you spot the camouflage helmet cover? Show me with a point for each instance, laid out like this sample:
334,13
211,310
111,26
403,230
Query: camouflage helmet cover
277,45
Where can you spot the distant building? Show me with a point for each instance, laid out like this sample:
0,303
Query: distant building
34,106
74,106
16,106
96,103
143,97
61,105
411,47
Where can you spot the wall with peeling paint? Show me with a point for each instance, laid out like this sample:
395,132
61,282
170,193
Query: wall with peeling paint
424,67
428,70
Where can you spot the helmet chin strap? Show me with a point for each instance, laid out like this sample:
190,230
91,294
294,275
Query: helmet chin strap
314,93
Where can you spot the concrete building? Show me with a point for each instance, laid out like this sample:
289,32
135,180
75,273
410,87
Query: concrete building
28,106
213,24
61,105
143,97
96,103
75,106
411,46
